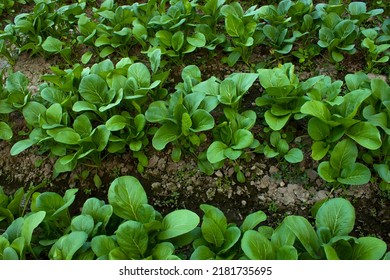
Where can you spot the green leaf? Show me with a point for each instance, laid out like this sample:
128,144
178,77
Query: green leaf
178,223
355,174
162,251
305,234
30,223
276,123
338,215
294,155
256,246
67,245
68,136
287,252
52,45
5,131
157,112
167,133
318,130
116,122
253,220
242,139
133,238
177,40
319,150
102,245
211,232
352,102
317,109
369,248
326,172
94,89
32,112
126,195
202,253
232,235
234,26
343,155
215,152
82,223
201,121
365,134
198,40
140,73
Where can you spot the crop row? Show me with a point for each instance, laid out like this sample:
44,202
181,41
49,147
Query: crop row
177,28
130,228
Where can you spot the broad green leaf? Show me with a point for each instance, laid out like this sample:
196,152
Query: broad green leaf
198,40
14,229
116,122
294,155
99,137
16,83
202,253
178,223
5,131
365,134
216,215
338,215
287,252
126,195
9,253
383,171
343,155
305,234
133,238
82,223
68,136
32,112
94,89
52,45
102,245
155,59
157,112
274,122
177,40
317,109
355,174
211,232
96,208
253,220
256,247
30,223
326,172
140,73
318,130
167,133
81,106
232,235
162,251
201,121
369,248
234,26
242,139
319,150
68,245
352,102
82,125
215,152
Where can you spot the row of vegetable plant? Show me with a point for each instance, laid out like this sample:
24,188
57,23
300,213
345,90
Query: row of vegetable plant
40,226
177,28
84,113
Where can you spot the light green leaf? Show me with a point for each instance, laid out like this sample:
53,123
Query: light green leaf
167,133
133,238
242,139
355,174
5,131
369,248
343,155
52,45
294,155
252,220
178,223
126,195
215,152
338,215
274,122
256,246
365,134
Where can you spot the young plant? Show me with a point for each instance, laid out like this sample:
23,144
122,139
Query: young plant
338,35
376,52
295,238
242,28
279,147
182,118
